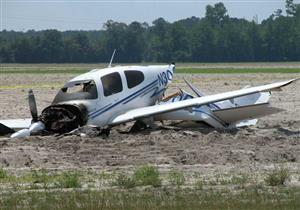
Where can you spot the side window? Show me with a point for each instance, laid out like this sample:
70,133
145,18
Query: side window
112,83
134,78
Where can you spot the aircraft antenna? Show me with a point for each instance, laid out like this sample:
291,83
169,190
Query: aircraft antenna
112,58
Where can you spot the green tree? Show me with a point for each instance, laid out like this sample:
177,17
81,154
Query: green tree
51,46
134,42
217,13
77,48
179,43
290,7
159,46
214,38
115,38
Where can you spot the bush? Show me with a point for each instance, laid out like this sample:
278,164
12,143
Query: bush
124,181
277,177
147,175
69,180
176,178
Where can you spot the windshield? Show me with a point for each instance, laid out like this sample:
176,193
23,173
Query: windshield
77,90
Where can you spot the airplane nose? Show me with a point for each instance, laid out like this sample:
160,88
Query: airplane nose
63,118
36,127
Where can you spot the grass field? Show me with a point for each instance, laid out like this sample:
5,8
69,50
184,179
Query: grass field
144,188
194,68
154,199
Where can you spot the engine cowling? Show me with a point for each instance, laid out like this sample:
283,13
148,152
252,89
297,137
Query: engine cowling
63,118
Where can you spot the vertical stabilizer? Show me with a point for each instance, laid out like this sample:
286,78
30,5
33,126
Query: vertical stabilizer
193,88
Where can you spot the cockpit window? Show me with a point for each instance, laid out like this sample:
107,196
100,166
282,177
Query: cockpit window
112,84
134,78
77,90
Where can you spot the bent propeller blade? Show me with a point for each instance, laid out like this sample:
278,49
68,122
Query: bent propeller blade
32,106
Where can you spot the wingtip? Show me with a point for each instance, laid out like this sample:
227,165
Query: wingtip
290,81
4,130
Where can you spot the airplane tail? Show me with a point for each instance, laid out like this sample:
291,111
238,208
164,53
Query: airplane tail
240,111
172,68
245,110
235,115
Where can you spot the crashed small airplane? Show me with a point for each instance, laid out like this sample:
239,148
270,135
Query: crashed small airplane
115,95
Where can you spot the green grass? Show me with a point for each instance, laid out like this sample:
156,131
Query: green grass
124,181
44,189
65,69
142,176
61,70
3,173
154,199
147,175
277,177
236,70
176,178
69,180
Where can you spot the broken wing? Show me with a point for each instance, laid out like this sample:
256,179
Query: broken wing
163,108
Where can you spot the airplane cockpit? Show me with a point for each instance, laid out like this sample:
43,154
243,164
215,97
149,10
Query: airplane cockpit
77,90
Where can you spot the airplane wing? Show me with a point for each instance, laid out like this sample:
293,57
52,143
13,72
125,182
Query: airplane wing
17,123
168,107
9,126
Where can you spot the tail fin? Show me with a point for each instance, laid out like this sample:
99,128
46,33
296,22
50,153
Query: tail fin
193,88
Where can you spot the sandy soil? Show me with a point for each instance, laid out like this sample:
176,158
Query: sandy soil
188,146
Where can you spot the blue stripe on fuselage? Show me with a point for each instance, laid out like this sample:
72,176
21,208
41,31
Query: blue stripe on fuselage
148,89
157,92
100,111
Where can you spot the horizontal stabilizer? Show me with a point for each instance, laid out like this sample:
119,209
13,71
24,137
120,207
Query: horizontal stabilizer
235,114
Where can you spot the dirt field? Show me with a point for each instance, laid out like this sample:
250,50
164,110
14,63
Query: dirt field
185,146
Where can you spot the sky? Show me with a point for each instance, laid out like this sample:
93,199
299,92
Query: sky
23,15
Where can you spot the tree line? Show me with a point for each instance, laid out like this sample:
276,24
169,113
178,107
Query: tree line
217,37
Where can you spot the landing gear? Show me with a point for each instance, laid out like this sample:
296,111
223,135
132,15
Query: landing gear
143,124
139,125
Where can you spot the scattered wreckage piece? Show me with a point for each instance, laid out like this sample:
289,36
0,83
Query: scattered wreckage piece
90,131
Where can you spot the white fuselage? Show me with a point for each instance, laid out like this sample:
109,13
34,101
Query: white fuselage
123,88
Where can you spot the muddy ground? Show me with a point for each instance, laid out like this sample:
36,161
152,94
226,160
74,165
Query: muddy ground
275,140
